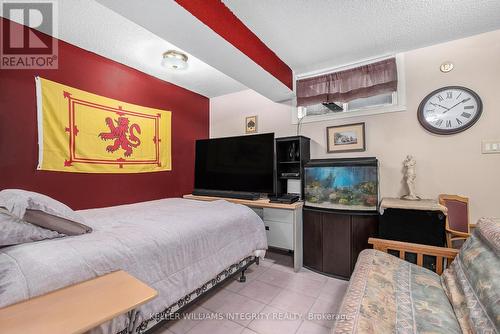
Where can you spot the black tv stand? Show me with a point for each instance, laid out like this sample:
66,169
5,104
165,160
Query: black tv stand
227,193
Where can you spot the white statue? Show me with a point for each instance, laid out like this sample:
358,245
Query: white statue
410,176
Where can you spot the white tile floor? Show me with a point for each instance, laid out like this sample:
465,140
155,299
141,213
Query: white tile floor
272,289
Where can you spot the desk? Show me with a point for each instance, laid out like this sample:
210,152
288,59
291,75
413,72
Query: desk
283,223
259,203
77,308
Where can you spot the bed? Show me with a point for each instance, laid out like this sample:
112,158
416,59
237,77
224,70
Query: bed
179,247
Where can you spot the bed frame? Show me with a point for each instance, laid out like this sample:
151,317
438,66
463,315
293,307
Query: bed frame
170,312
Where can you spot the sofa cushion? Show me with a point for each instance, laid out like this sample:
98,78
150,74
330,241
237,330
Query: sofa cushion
472,281
389,295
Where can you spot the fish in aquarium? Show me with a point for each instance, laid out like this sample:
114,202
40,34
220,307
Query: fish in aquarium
344,188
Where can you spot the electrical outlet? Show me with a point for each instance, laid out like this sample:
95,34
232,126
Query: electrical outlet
490,146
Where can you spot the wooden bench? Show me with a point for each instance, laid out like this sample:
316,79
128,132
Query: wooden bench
77,308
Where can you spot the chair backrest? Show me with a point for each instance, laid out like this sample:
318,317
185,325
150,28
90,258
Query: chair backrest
458,212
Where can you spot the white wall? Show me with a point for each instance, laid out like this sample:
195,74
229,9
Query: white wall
445,164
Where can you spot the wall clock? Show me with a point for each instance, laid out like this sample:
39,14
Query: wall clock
450,110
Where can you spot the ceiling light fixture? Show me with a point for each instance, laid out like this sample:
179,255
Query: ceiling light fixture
174,60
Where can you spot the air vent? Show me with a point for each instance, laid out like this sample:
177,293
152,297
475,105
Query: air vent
333,106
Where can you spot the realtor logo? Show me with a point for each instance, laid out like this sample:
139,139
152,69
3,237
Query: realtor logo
27,31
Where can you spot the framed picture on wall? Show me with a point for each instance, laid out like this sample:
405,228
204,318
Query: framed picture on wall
346,138
251,124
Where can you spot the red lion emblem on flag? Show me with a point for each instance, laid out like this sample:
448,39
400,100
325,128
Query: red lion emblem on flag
125,137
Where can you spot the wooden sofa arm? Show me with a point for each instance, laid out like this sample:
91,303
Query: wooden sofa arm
406,247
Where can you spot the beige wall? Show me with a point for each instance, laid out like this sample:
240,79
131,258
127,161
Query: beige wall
445,164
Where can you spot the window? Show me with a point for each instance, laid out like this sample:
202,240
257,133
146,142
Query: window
390,100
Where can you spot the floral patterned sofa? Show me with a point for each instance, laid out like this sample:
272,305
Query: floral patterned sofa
389,295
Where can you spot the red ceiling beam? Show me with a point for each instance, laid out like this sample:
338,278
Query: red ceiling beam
219,18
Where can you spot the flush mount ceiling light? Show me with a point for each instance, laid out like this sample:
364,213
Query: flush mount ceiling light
174,60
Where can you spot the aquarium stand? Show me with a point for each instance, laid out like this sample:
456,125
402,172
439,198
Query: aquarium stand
334,239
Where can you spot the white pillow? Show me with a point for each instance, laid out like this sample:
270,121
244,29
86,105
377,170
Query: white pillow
17,201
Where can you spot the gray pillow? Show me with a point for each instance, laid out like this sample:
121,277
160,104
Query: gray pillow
54,223
43,211
14,231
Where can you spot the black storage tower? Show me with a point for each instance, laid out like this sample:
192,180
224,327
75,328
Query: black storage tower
292,153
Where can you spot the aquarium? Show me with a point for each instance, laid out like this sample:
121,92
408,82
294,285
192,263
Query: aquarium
342,184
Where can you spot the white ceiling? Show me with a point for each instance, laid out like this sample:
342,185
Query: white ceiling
94,27
308,35
168,20
318,34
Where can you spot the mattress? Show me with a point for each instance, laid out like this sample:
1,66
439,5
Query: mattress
173,245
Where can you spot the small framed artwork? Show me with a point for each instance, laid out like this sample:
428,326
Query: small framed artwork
346,138
251,124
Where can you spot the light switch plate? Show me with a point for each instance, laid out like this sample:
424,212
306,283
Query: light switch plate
490,146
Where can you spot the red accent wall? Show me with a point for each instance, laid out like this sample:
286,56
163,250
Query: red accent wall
85,70
220,19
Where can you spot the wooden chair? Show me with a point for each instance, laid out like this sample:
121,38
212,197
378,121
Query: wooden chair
457,219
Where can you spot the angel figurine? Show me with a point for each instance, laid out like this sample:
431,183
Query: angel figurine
410,175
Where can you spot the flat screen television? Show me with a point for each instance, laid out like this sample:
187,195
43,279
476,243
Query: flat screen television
241,164
342,184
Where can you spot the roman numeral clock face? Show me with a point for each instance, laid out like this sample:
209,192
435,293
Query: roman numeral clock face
449,110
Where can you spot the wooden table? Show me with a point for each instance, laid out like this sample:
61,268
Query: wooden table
77,308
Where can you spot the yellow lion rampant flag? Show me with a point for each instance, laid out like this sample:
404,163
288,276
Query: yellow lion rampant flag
86,133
